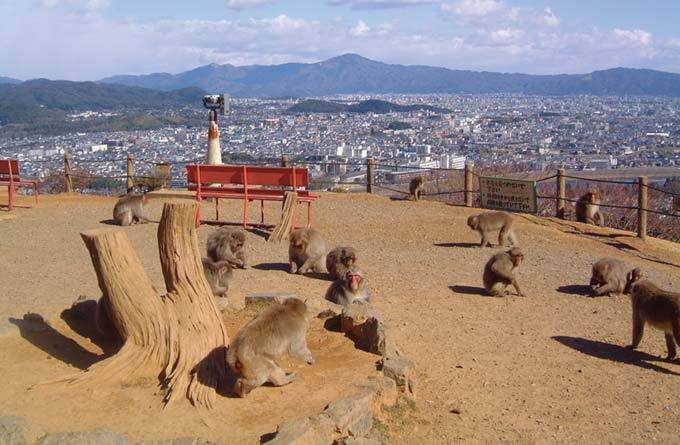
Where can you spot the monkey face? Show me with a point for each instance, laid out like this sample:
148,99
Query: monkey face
472,222
349,260
353,280
631,278
517,260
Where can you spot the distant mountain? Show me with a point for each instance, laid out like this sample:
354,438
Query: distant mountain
366,106
4,79
351,73
50,99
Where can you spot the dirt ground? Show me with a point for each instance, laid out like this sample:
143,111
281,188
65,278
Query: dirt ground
547,368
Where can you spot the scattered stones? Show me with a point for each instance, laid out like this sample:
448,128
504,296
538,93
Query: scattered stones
97,436
18,431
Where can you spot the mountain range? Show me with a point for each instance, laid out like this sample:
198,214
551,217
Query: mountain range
351,73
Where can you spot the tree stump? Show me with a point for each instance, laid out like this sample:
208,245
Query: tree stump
179,336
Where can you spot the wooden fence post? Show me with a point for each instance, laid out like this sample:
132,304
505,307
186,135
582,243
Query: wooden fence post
130,173
561,193
370,174
68,173
285,161
642,207
469,169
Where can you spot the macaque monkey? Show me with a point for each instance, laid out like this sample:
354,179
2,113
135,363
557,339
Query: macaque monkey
416,187
499,272
655,306
275,330
487,222
608,277
306,251
339,260
228,244
588,208
218,275
130,210
352,287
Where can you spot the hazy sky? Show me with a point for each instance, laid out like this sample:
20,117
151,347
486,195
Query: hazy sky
91,39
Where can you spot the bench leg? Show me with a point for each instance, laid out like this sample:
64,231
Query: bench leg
198,214
309,214
217,209
292,222
245,213
261,211
10,197
37,192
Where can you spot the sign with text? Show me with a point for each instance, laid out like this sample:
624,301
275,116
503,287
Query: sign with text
508,194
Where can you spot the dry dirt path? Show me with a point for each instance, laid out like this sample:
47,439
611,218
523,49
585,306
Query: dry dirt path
543,369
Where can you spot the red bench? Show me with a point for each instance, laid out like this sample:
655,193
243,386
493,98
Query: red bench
249,183
9,176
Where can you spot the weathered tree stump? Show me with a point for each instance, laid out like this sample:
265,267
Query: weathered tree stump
178,336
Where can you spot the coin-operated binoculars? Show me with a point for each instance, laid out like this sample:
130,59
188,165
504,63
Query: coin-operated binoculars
215,103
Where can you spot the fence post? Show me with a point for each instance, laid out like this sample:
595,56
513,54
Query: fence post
285,161
130,173
642,207
68,173
370,174
469,169
561,191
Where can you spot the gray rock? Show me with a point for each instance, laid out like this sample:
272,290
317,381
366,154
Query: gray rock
402,371
367,329
97,436
18,431
179,441
358,441
317,430
352,415
384,390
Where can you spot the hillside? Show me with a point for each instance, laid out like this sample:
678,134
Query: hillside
4,79
366,106
548,368
351,73
38,99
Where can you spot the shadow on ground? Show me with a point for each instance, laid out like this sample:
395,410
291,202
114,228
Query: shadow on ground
615,353
465,245
469,290
576,289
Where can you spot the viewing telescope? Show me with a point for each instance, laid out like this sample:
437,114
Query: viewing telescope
216,102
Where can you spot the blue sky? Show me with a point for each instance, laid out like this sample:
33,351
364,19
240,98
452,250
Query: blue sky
91,39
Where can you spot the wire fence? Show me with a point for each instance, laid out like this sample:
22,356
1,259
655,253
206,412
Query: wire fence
115,176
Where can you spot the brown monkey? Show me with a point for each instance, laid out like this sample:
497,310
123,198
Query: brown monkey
228,244
352,287
306,251
339,260
491,221
588,208
416,187
218,275
499,272
655,306
275,330
130,210
608,277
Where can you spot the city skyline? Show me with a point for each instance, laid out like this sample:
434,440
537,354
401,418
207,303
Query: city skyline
92,39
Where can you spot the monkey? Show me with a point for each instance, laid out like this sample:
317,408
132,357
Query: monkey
588,209
306,251
228,244
275,330
498,272
218,275
608,277
130,210
352,287
655,306
416,187
488,221
339,260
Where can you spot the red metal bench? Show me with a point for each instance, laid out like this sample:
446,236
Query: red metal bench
9,176
249,183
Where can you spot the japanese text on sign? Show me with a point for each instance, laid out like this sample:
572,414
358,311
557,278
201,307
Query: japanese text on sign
508,194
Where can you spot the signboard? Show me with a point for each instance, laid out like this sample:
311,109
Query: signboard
508,194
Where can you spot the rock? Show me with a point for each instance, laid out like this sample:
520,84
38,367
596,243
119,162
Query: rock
384,391
352,415
18,431
97,436
367,329
331,310
401,370
358,441
179,441
317,430
264,299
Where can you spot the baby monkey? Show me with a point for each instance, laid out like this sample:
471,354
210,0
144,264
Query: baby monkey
499,272
130,210
416,187
608,277
339,260
655,306
306,251
487,222
275,330
588,209
218,274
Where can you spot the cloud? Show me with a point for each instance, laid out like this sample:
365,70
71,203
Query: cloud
381,4
360,30
635,36
246,4
549,18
